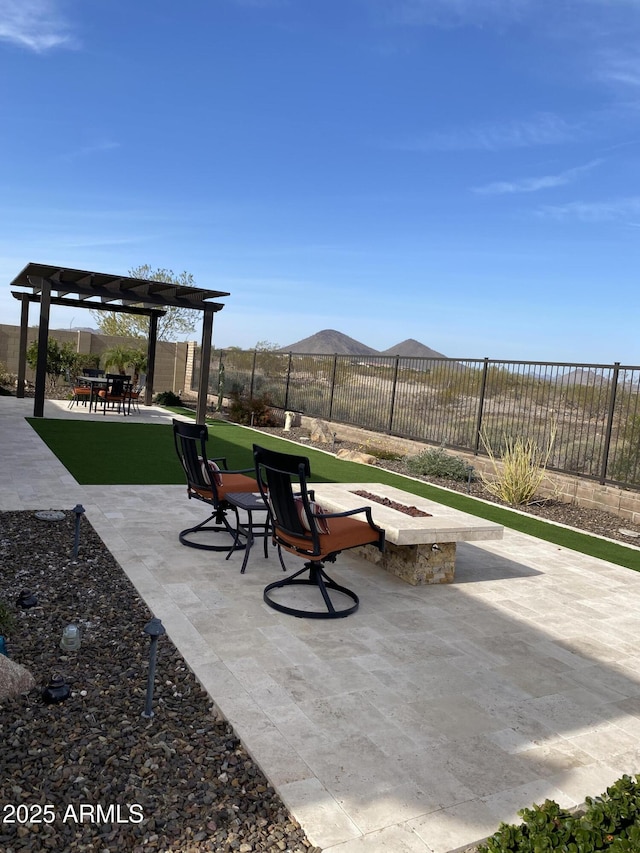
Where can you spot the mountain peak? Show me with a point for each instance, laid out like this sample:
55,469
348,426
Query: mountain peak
413,349
328,342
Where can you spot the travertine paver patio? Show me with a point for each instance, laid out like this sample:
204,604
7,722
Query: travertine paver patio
418,723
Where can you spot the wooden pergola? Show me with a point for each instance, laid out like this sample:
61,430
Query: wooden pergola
51,285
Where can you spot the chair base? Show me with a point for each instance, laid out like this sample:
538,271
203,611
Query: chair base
319,578
223,527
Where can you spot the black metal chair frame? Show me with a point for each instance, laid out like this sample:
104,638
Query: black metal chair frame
281,479
81,392
117,390
190,442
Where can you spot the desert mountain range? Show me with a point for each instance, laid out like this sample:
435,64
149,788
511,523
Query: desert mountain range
328,342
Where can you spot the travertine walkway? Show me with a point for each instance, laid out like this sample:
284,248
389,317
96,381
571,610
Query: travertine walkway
420,722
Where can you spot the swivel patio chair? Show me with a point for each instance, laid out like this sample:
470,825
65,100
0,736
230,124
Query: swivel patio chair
208,480
302,528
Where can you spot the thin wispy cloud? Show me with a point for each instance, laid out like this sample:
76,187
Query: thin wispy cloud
613,210
89,150
532,185
619,69
450,13
38,25
504,13
542,129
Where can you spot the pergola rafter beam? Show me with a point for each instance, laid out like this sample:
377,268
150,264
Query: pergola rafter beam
83,303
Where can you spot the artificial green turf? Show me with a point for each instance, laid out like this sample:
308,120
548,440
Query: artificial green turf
110,453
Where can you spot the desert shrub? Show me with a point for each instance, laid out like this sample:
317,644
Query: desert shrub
522,472
250,412
60,359
580,456
86,361
168,398
437,462
7,380
625,465
609,822
382,453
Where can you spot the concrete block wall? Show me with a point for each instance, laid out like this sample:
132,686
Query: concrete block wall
171,358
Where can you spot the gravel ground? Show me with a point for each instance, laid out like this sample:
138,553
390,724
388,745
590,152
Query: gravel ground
180,781
590,520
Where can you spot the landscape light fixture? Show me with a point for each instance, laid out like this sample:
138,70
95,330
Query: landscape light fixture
154,628
57,690
79,510
70,641
26,599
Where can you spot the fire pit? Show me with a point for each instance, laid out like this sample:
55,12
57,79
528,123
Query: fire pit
421,535
413,511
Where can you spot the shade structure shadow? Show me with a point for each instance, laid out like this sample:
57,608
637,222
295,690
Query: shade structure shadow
436,712
495,567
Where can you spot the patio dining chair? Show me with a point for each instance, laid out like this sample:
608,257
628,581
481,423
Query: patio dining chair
116,393
301,527
136,392
80,393
208,480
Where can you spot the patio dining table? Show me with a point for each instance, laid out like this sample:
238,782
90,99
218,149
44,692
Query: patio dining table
101,383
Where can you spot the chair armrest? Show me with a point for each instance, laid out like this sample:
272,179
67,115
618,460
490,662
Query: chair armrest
221,461
363,509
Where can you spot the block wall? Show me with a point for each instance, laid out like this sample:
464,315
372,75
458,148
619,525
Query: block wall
171,358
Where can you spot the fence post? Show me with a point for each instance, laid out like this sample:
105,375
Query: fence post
609,429
286,389
483,388
393,393
333,384
253,373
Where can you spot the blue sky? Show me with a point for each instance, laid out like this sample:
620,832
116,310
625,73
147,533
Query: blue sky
462,172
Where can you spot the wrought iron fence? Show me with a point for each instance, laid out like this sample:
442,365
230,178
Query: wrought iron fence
589,413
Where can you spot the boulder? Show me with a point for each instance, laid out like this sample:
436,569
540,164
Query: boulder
356,456
321,432
14,678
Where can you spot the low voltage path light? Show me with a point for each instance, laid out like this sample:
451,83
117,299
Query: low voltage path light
70,641
26,599
154,628
79,510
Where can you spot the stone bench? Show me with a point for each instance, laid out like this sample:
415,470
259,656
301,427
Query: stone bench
420,550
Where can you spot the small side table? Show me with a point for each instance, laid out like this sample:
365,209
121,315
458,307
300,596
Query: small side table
250,502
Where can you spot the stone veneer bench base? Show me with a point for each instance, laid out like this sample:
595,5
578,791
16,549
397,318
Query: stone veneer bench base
419,550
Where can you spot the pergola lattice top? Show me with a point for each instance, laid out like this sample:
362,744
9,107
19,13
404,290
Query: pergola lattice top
113,288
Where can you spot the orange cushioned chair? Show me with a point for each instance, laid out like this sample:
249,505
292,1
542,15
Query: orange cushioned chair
81,392
208,480
116,393
303,528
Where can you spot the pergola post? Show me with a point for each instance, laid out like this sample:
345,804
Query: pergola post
43,340
151,358
205,364
22,347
